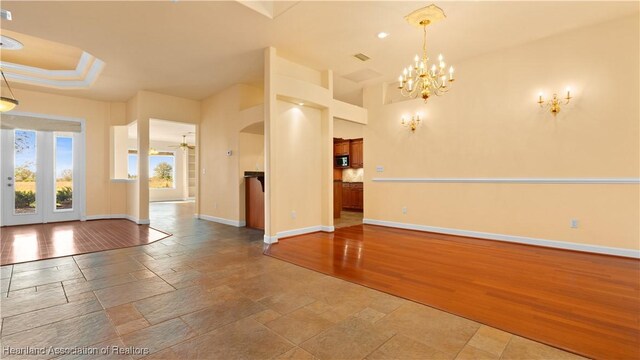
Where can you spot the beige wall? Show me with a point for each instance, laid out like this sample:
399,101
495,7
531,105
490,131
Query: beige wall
103,197
223,116
133,187
298,179
489,126
299,146
347,129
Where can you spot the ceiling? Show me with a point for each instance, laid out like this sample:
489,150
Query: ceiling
169,131
41,53
194,49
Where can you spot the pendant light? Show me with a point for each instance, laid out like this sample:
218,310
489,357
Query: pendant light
6,103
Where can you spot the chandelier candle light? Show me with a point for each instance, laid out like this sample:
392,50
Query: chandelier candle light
413,123
554,103
418,78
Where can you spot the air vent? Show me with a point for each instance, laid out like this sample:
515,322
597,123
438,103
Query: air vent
361,57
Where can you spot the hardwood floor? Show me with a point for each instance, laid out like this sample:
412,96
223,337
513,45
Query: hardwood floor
208,292
584,303
44,241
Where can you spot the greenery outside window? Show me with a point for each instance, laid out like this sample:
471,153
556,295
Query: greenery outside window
162,166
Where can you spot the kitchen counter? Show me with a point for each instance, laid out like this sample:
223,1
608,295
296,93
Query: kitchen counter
254,174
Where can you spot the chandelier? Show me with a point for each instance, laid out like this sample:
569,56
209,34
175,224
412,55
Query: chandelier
418,78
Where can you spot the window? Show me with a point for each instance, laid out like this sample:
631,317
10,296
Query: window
132,164
162,165
162,170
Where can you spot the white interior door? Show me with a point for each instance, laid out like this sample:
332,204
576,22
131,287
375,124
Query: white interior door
40,177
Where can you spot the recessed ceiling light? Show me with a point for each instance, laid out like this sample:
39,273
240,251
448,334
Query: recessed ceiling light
382,35
301,104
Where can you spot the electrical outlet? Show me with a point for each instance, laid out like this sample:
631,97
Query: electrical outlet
379,168
404,210
215,205
294,215
574,223
204,171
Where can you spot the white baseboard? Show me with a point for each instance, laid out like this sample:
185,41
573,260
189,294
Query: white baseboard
236,223
139,221
512,180
119,216
511,238
270,239
103,217
288,233
301,231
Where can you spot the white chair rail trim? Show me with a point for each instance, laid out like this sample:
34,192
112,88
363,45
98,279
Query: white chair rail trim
512,180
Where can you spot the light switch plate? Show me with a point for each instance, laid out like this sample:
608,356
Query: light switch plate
379,168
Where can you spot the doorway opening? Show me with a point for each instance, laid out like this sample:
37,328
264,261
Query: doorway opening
251,174
43,169
172,170
348,173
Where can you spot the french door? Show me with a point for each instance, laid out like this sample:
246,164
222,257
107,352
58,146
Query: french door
40,176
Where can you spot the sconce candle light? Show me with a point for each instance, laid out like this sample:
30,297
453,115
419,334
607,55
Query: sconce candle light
554,103
413,123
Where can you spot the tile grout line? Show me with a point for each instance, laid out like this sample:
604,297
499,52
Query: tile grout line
506,346
10,280
65,292
468,340
78,266
381,345
154,273
51,323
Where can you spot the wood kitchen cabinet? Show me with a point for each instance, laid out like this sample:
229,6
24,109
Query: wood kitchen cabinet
254,201
337,199
340,147
356,153
352,196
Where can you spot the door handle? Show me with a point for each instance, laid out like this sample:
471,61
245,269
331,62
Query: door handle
9,185
9,178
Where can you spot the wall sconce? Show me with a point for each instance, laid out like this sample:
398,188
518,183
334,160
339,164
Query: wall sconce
413,123
554,103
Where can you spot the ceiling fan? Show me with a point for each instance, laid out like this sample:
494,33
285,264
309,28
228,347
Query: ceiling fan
184,145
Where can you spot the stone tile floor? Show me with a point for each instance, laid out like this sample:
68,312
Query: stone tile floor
348,218
208,293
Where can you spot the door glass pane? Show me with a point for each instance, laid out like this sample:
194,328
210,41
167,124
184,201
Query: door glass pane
64,172
24,171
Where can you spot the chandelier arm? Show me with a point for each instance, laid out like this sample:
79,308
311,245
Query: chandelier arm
8,86
406,93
